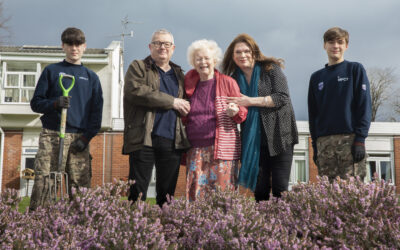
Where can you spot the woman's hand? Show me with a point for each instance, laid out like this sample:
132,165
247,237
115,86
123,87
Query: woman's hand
243,100
232,109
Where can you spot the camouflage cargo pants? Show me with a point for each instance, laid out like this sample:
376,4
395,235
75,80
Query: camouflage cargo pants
76,164
335,158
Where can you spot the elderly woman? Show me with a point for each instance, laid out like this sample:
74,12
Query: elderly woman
269,133
211,124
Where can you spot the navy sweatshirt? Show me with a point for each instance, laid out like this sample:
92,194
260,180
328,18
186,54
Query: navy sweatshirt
339,101
86,103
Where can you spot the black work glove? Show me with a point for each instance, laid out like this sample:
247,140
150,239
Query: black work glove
358,151
79,144
62,102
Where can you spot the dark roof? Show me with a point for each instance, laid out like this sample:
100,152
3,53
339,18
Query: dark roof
44,49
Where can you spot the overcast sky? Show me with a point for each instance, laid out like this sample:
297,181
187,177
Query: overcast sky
287,29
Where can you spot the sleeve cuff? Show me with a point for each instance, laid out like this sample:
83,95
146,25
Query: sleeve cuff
359,139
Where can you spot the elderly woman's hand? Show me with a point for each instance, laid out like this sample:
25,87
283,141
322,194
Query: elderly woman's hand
182,106
243,100
232,109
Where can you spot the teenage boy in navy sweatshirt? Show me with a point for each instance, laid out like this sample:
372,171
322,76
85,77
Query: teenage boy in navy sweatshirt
85,107
339,111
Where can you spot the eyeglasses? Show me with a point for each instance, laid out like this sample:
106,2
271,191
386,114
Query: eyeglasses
246,52
200,59
158,44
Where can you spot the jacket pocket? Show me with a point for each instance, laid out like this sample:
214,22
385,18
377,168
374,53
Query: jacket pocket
134,135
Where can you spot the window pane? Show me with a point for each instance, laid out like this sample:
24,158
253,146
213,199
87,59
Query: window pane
371,165
12,80
386,171
26,95
29,163
29,81
301,170
21,66
11,95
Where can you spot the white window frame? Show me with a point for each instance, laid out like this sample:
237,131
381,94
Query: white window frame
20,86
382,157
298,156
27,153
151,191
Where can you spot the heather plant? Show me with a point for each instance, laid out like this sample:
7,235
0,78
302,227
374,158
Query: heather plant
345,214
92,219
225,220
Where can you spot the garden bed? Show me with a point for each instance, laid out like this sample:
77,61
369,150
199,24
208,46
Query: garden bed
345,214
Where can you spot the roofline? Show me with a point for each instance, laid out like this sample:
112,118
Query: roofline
376,129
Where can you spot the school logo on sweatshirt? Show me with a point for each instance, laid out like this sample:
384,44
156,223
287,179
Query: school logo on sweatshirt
320,86
342,79
364,87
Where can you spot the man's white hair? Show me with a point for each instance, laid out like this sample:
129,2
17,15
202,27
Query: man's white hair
162,31
204,44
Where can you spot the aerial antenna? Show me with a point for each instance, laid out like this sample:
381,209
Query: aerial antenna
125,33
125,22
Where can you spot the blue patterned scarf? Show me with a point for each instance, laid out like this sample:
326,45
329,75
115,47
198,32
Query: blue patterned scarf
251,134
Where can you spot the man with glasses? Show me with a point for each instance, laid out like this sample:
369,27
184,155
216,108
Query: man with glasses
153,106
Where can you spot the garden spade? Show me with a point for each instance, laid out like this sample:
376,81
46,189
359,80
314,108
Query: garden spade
59,176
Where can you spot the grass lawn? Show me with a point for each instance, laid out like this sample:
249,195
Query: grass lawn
25,203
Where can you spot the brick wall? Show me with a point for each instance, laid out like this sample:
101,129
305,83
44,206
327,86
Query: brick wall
180,190
108,161
313,170
396,146
12,159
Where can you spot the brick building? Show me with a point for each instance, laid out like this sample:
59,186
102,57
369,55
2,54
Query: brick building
20,68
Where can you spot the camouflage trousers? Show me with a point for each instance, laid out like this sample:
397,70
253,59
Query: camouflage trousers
76,164
335,159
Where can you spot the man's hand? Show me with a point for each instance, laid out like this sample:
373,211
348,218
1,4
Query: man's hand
79,144
232,109
358,151
182,106
62,102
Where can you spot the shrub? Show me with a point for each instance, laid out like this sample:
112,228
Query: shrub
344,214
92,219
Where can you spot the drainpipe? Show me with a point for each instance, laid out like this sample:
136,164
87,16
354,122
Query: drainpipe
1,156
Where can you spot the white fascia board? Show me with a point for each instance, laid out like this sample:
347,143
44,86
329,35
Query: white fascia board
51,58
377,128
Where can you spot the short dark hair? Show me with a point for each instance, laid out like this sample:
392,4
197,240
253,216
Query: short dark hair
73,36
336,33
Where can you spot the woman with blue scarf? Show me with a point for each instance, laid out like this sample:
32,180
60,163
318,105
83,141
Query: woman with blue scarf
269,132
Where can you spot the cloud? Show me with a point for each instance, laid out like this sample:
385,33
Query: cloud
289,29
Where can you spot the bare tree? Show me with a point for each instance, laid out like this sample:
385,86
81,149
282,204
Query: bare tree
4,29
381,81
396,103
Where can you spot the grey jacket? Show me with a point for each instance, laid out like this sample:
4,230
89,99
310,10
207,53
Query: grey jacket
142,98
